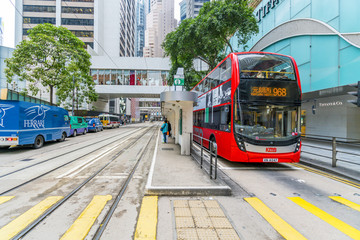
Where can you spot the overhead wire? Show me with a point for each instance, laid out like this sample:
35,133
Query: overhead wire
96,40
18,11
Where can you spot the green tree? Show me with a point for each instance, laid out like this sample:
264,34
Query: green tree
50,57
207,37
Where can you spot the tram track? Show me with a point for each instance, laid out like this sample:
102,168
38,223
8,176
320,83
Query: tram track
22,149
119,195
70,152
56,168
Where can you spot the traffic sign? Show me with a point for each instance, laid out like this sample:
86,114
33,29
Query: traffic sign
179,81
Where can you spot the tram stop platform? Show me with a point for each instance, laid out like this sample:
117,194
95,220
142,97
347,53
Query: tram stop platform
173,174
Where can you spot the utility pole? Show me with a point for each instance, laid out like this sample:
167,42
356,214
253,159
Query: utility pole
73,98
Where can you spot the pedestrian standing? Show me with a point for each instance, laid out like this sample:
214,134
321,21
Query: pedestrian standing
164,129
169,128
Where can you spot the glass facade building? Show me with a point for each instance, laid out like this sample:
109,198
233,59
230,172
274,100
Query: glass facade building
324,39
140,28
129,77
16,85
322,43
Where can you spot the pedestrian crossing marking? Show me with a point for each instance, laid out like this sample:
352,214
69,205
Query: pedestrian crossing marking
4,199
282,227
340,225
346,202
21,222
147,221
81,227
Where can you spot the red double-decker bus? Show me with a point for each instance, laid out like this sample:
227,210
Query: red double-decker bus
250,106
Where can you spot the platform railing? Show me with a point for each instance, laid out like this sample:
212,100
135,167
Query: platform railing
212,152
334,147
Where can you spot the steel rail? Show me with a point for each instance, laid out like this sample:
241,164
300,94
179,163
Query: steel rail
54,169
61,155
111,211
52,150
59,203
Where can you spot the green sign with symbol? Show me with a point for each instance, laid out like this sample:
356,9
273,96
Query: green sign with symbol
179,81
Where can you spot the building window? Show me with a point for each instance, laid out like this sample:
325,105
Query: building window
39,20
80,10
78,0
25,31
94,74
83,33
91,44
34,8
129,77
75,21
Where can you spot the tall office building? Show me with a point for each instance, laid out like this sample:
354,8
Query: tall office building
159,22
182,10
107,27
75,15
193,7
1,32
127,28
140,28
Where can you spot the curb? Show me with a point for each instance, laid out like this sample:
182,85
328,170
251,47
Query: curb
326,169
188,191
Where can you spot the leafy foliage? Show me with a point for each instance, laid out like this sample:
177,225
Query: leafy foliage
207,37
50,57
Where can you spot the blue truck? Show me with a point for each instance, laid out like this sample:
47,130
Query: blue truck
26,123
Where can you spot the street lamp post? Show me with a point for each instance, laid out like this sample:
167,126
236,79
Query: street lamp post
73,97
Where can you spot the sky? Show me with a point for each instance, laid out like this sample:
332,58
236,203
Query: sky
7,13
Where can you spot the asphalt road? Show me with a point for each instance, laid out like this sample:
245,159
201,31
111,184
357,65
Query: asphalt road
57,169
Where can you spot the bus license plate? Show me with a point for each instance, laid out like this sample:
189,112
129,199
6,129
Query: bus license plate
270,159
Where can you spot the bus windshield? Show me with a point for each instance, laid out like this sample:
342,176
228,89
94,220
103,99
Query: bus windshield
266,122
265,66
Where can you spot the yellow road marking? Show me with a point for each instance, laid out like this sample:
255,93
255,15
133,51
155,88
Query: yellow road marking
340,225
346,202
84,222
5,199
147,221
285,230
348,182
15,226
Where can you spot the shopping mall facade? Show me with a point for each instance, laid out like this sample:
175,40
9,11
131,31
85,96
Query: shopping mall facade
324,39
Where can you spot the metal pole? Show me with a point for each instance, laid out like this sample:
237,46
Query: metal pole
211,158
202,153
216,158
73,97
333,164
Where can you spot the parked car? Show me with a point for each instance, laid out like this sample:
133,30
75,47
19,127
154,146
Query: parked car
26,123
78,125
94,124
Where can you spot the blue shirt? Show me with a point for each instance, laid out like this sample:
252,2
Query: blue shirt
164,127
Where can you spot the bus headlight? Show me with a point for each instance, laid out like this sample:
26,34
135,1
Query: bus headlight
242,146
298,144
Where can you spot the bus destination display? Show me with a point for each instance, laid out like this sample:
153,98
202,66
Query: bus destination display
268,91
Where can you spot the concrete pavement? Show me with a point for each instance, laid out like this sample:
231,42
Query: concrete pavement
174,174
